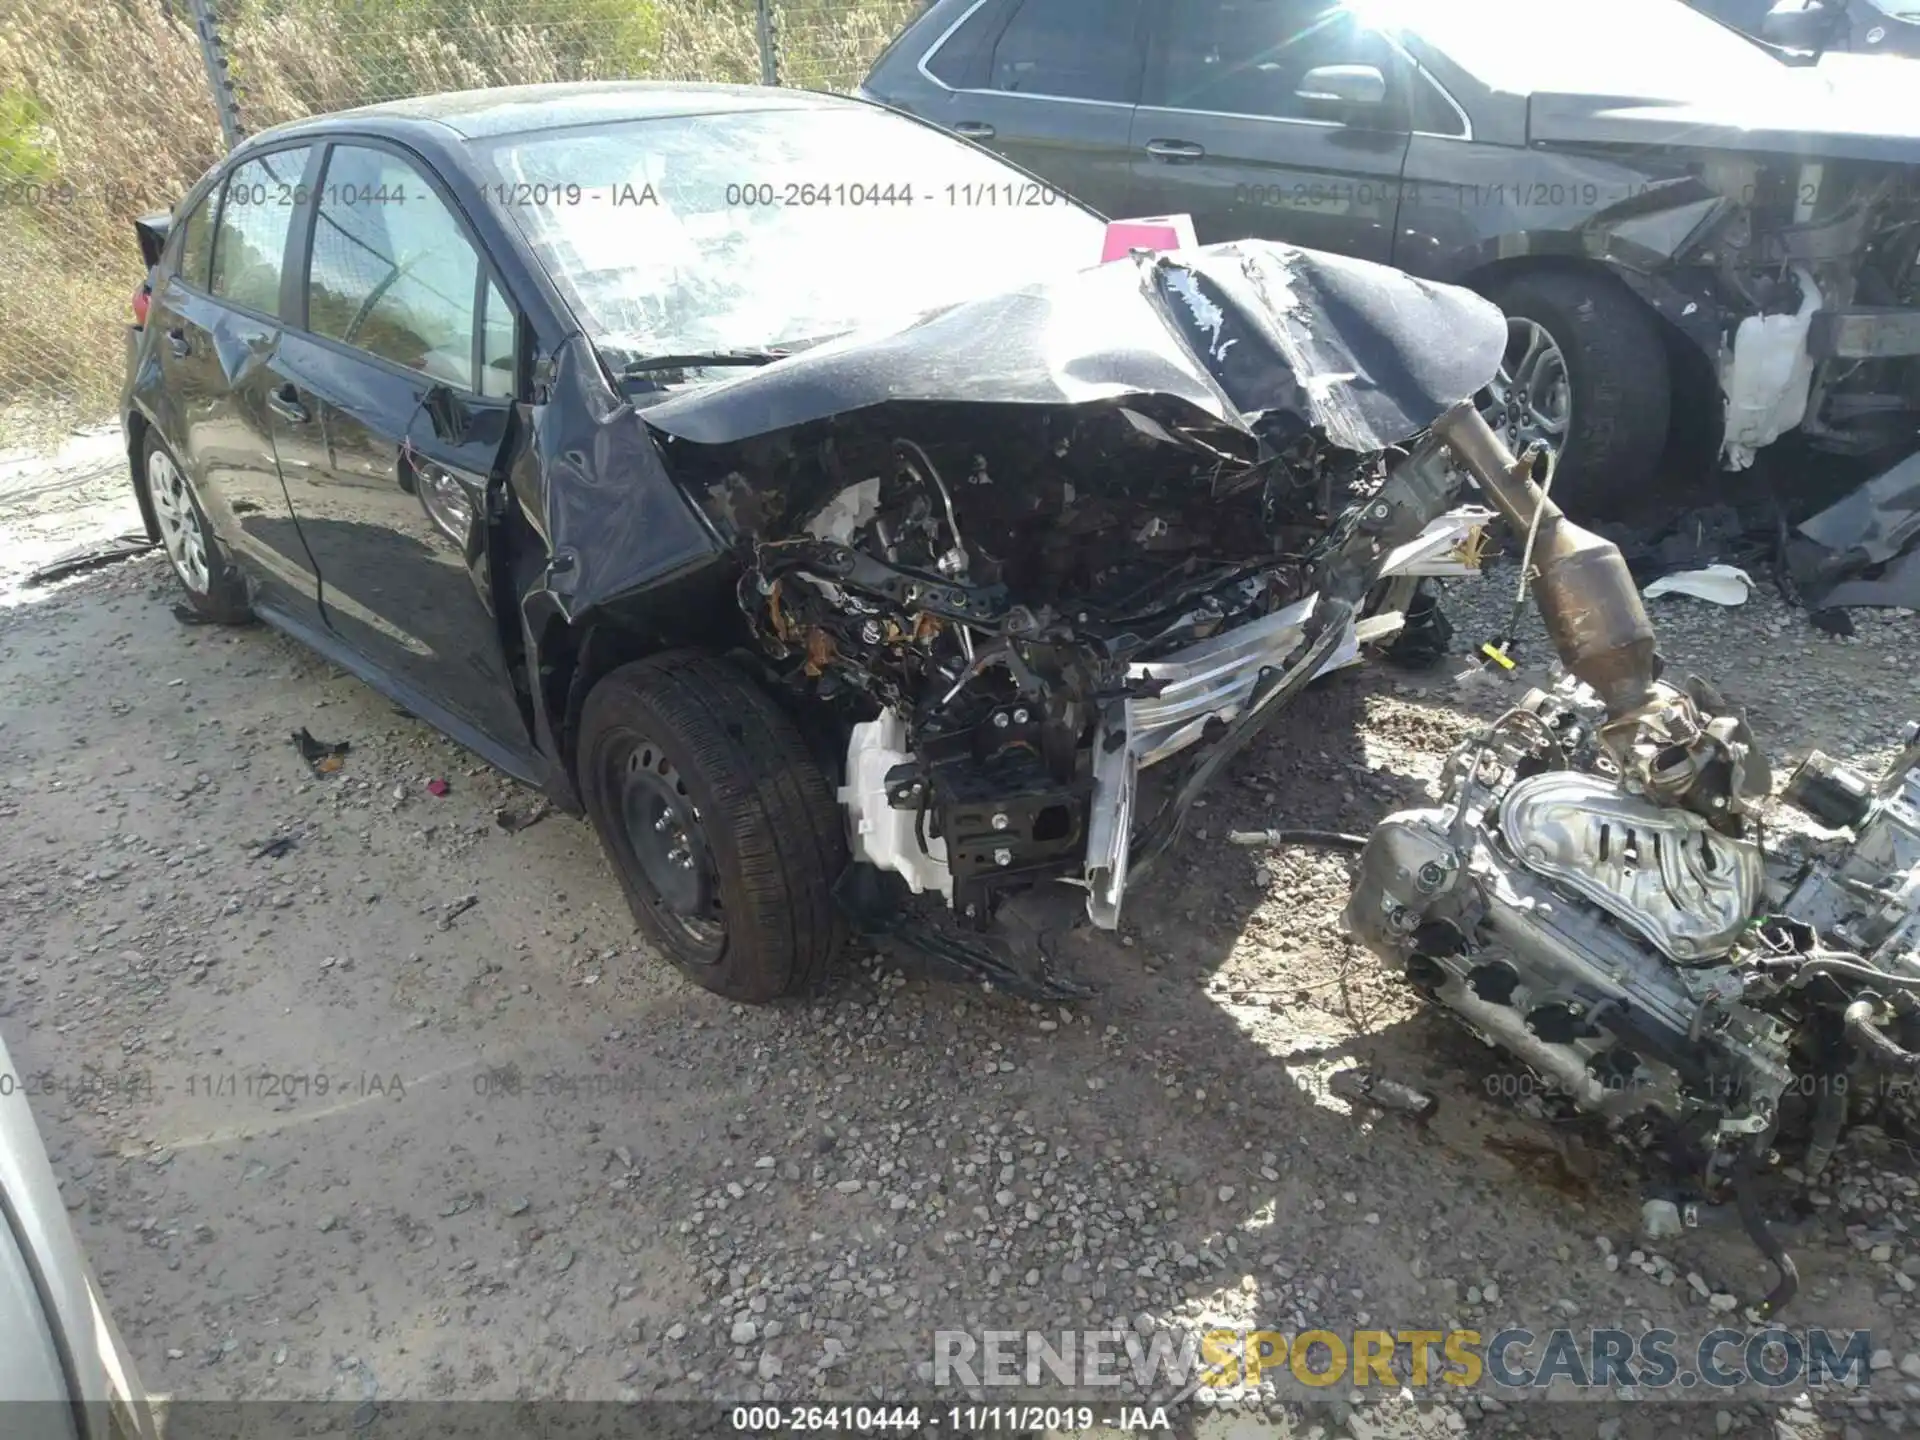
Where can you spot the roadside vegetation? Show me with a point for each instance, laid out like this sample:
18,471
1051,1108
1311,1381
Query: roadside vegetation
105,115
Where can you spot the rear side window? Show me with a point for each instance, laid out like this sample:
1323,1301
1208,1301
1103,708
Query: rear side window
250,240
393,272
1432,112
964,59
196,241
1072,49
1249,57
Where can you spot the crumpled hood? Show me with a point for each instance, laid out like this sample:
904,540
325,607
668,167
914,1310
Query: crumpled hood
1857,107
1267,339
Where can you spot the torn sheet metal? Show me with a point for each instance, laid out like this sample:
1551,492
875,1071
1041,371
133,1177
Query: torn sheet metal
614,520
1876,521
1897,586
1263,338
1451,545
1864,550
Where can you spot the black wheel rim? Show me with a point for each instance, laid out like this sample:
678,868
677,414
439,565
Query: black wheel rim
662,827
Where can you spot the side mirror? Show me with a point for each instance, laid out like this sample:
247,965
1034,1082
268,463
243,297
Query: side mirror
1797,25
1343,85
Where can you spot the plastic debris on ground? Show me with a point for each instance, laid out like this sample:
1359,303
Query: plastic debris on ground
322,758
1720,584
437,787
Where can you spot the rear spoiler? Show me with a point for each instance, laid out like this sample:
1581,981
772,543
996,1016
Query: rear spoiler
153,231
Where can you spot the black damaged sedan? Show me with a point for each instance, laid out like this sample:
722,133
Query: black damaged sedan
785,485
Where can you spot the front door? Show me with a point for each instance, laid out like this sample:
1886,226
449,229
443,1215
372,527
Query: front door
1230,131
398,394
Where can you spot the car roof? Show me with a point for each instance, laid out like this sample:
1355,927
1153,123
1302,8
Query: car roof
511,109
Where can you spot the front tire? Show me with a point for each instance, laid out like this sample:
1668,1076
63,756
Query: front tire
214,587
723,830
1587,372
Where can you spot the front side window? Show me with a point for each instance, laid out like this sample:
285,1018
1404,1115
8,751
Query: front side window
1251,57
250,240
1430,110
392,271
1073,49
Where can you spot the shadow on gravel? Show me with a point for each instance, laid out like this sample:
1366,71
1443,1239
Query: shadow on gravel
1238,997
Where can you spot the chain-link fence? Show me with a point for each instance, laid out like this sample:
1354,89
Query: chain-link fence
108,110
830,44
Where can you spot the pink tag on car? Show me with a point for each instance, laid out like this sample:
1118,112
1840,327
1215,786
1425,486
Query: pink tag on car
1157,232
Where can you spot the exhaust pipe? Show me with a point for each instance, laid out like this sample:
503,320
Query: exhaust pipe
1585,592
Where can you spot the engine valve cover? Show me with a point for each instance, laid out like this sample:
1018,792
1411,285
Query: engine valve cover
1687,888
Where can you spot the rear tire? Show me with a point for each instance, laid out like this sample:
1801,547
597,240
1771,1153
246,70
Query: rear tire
723,830
214,586
1618,384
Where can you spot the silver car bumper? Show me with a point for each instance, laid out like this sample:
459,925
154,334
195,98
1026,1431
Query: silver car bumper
1213,680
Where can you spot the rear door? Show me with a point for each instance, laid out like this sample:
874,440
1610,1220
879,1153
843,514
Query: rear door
219,320
1051,85
396,391
1225,133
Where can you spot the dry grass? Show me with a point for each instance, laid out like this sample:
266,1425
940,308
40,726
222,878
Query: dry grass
98,134
829,44
104,116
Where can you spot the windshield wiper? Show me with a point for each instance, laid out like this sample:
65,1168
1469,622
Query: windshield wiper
696,360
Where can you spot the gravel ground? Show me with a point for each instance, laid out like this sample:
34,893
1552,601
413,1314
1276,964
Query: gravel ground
356,1094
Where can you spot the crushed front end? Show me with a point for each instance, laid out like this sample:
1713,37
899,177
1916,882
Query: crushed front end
1823,257
1049,559
1798,278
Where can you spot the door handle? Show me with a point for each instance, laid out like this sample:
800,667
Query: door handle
973,129
1176,151
285,402
178,343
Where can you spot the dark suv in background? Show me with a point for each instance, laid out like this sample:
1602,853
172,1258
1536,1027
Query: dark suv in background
1866,27
1693,239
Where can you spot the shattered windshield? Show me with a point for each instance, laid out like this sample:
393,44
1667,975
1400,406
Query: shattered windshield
691,234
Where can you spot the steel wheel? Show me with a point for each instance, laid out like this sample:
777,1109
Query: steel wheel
662,826
721,826
1531,397
181,529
